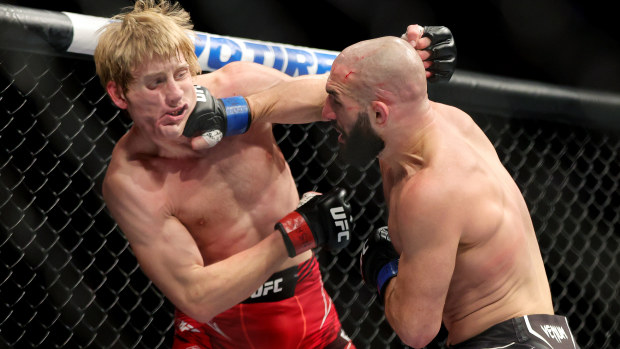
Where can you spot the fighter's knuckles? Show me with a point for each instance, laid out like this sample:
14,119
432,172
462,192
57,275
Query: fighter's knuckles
424,54
201,143
423,43
414,31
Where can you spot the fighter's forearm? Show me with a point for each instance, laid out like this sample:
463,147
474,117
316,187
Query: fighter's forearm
297,101
215,288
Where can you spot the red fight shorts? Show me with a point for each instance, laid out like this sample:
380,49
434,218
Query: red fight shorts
290,310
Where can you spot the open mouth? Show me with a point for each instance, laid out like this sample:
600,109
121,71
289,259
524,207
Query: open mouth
173,117
341,135
338,129
341,138
178,111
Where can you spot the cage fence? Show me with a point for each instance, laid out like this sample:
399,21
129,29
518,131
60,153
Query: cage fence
69,279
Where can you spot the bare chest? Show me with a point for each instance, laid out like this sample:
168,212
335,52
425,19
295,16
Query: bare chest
227,201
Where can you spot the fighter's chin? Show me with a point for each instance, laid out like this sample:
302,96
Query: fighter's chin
171,131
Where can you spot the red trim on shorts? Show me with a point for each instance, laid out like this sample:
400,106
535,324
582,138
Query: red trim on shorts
295,322
303,316
245,330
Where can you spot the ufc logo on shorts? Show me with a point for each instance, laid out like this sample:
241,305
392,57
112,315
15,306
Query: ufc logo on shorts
340,220
271,285
200,94
184,326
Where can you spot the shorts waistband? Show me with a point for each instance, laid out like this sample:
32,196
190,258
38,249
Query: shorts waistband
281,285
550,331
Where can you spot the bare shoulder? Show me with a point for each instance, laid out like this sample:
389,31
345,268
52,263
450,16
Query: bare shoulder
415,195
118,177
128,174
426,190
446,107
426,214
462,122
128,192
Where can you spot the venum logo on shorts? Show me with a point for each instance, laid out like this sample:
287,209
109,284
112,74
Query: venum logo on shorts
340,220
271,285
554,332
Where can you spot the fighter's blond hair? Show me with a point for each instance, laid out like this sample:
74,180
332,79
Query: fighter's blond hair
151,28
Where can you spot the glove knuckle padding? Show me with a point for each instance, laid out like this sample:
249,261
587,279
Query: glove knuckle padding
437,33
446,51
334,219
326,217
207,114
376,252
442,52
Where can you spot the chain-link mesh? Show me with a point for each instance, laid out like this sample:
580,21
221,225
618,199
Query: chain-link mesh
68,277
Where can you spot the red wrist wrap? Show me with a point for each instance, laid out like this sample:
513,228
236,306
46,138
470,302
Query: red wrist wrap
297,230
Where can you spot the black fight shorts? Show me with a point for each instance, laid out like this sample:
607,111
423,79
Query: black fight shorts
531,331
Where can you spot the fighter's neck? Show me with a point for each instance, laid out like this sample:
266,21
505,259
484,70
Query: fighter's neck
142,143
407,148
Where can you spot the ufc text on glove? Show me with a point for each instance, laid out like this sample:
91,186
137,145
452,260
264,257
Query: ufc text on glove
214,118
319,220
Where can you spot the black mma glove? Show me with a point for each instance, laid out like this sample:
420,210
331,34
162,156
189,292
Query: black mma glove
379,261
319,220
443,52
214,118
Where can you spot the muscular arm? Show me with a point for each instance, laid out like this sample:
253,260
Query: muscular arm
278,98
241,79
426,231
273,96
296,101
301,99
169,256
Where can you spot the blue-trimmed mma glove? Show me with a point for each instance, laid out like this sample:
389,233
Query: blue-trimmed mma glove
319,220
379,261
214,118
443,53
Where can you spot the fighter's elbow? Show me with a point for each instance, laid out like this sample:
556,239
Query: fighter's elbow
200,316
414,330
196,313
192,304
416,336
415,340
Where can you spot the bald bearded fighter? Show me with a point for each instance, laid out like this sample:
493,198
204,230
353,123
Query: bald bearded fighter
459,247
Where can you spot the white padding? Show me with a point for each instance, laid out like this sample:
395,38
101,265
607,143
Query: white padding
85,32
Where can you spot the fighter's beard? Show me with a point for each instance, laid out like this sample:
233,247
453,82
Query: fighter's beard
362,144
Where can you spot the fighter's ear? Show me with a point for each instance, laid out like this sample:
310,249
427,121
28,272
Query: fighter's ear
116,94
381,112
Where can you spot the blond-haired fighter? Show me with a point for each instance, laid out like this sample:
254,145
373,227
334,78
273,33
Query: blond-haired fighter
217,230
